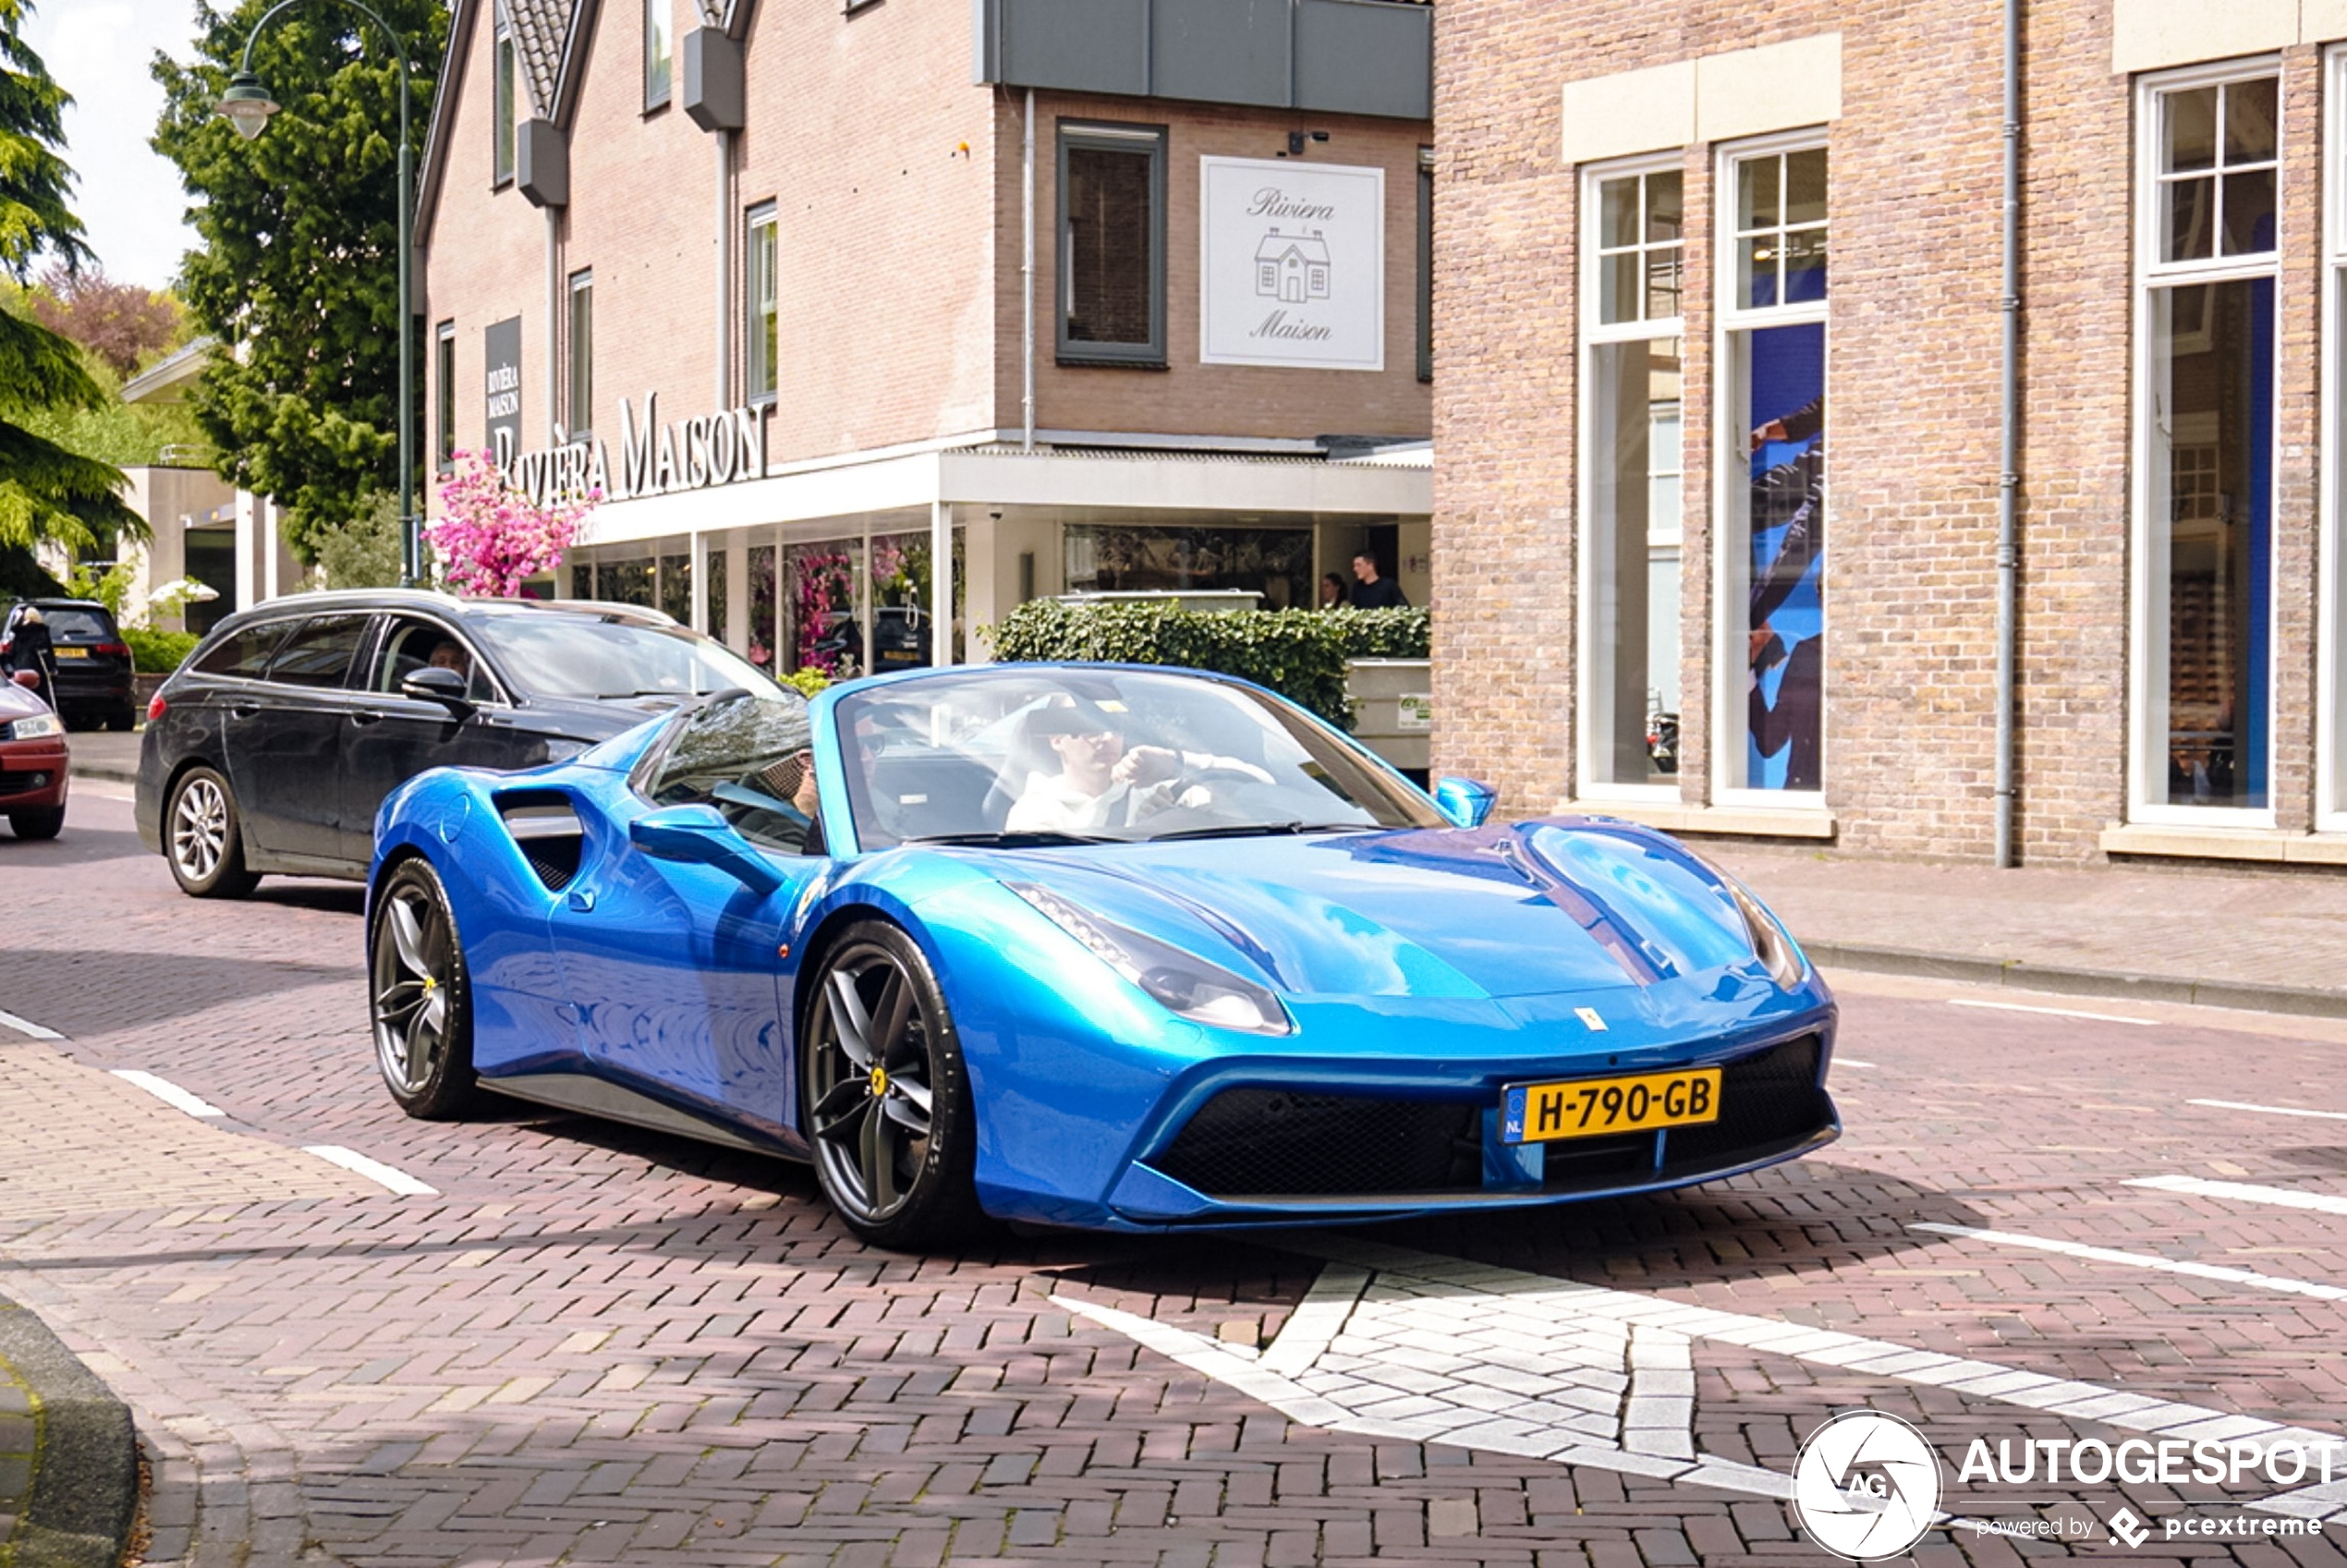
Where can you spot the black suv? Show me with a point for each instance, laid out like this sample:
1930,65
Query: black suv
93,661
272,746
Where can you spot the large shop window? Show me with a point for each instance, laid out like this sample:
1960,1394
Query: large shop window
1771,722
1114,558
581,391
1111,259
2202,673
758,333
1633,250
502,109
660,54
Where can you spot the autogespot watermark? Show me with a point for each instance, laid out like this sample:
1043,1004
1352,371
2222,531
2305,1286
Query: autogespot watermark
1869,1486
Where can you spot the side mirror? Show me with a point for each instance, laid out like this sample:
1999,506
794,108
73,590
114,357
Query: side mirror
1466,802
434,684
700,835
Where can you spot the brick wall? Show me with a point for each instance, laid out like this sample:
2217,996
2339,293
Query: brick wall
1912,378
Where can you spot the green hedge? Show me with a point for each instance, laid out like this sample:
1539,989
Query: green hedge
158,653
1298,654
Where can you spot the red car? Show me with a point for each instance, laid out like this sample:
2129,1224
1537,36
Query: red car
32,763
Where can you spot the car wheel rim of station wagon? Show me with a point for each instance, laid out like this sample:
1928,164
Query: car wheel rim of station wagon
872,1105
413,968
199,828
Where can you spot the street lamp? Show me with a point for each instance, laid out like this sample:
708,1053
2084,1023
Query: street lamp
246,105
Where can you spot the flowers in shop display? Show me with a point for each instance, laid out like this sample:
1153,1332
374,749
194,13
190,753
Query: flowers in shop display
491,538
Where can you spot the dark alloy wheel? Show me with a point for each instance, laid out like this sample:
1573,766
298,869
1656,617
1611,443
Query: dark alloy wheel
888,1111
203,837
46,824
422,1002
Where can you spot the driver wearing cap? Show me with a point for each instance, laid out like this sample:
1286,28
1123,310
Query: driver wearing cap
1103,783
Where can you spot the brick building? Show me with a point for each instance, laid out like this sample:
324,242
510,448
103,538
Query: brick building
1719,303
1108,296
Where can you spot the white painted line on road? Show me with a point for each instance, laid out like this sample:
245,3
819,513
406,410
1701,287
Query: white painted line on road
2245,1192
1850,1061
2053,1011
171,1094
2143,1260
27,1027
2270,1110
374,1171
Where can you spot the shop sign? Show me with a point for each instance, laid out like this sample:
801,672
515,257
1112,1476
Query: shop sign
654,459
500,356
1292,264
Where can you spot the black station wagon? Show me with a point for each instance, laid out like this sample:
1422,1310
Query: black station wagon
273,745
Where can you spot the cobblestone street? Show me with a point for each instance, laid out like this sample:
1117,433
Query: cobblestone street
566,1341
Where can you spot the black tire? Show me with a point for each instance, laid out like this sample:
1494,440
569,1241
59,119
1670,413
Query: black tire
37,825
899,1173
421,996
203,837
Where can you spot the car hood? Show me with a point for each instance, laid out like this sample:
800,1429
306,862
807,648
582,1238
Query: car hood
1536,908
595,719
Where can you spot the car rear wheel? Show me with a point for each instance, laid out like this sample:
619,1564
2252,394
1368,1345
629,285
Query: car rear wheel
888,1103
203,838
423,1016
39,824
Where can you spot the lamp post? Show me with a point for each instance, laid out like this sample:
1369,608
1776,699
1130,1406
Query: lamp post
246,105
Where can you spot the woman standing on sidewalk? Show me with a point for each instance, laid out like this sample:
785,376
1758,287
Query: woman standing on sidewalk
29,648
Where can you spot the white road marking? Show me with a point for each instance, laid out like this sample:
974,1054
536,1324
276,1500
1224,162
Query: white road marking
171,1094
2055,1012
374,1171
2144,1260
27,1027
1850,1061
2245,1192
2270,1110
1432,1349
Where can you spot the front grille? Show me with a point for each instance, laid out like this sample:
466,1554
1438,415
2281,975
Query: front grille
1268,1142
1768,1102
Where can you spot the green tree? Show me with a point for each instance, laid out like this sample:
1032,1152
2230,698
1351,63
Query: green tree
298,265
47,490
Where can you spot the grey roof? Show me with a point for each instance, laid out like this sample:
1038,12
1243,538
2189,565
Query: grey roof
541,31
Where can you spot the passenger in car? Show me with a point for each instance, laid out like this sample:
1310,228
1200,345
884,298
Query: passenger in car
449,654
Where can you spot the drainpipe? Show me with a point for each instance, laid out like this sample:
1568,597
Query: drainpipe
2008,441
554,322
1026,278
724,140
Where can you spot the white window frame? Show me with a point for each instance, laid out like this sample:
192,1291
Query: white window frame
578,365
504,104
2147,634
1596,334
1731,657
766,217
2331,572
660,27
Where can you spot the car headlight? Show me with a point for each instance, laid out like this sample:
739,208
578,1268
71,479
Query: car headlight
1770,945
29,728
1186,985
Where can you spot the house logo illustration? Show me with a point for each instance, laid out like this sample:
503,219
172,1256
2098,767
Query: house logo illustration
1292,268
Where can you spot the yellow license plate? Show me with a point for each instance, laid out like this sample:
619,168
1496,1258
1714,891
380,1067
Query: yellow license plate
72,652
1581,1108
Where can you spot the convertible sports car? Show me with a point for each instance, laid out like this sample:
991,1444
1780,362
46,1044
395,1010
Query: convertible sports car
1090,945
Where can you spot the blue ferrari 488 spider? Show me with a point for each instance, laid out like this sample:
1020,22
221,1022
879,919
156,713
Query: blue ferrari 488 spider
1088,945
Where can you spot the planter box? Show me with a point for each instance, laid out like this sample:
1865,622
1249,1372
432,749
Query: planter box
1394,709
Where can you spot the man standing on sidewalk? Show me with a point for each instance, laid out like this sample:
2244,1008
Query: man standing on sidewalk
1373,592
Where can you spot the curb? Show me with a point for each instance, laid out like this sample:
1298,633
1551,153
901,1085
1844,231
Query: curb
2022,976
102,773
79,1487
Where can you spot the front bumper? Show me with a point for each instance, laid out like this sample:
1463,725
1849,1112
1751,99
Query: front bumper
33,774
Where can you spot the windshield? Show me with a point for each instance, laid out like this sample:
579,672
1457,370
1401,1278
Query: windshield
579,654
1025,755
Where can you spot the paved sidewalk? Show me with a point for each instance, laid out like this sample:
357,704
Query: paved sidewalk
2275,941
105,754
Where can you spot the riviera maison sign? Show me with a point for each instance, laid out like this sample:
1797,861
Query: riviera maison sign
654,459
1292,264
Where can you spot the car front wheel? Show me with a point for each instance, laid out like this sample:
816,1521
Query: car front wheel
888,1102
39,824
423,1019
203,837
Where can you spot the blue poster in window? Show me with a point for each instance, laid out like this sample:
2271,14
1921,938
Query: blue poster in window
1784,731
